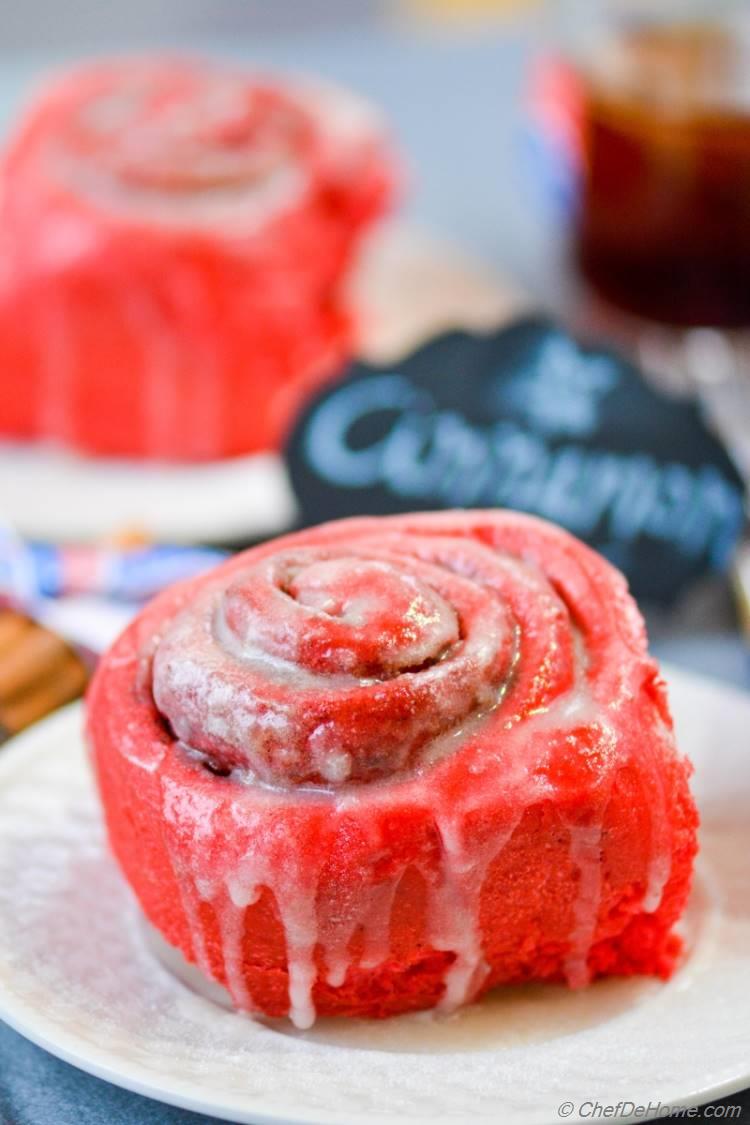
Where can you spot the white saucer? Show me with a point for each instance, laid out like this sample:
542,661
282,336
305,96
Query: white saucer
409,285
76,977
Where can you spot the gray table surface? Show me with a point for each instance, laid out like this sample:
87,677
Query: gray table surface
455,101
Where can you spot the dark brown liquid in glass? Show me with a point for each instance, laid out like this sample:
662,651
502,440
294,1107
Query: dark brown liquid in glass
664,227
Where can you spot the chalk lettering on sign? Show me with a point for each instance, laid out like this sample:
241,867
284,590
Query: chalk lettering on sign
431,453
527,418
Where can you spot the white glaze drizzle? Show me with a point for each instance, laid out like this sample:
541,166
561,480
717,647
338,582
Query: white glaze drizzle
585,853
454,888
455,906
191,901
231,919
453,901
377,924
294,893
660,859
229,190
453,921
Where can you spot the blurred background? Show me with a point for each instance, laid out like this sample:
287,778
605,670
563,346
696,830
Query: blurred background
448,77
591,159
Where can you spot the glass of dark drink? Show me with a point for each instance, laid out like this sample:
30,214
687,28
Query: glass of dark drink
663,224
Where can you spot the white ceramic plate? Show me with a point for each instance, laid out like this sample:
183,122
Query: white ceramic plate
409,285
77,978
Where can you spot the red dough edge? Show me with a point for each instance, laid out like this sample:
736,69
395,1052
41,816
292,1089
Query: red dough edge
527,901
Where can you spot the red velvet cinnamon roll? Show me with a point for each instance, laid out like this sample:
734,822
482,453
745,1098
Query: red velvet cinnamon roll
175,238
387,764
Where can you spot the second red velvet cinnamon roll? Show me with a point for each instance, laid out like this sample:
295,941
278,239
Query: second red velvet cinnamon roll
387,764
175,237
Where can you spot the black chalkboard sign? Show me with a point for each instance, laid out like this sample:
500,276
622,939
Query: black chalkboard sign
527,418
